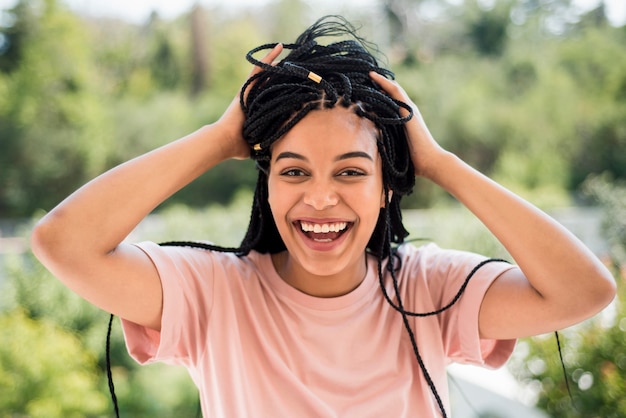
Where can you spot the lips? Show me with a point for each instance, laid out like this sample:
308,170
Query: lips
323,232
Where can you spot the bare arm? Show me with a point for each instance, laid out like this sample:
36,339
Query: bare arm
80,240
560,283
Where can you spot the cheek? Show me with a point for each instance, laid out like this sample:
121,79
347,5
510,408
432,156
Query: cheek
272,193
279,199
368,201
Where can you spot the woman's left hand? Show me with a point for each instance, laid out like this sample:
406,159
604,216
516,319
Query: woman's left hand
425,151
559,283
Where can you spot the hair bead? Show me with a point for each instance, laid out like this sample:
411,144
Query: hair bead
314,77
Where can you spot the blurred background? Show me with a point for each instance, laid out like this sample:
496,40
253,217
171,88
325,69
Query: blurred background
530,92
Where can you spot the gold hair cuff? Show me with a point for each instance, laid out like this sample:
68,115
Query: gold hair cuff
257,147
314,77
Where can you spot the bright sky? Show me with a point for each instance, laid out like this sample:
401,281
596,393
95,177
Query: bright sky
139,10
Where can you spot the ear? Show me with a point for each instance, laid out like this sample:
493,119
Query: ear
382,197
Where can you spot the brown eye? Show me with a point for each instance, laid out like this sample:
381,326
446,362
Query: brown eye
293,172
351,173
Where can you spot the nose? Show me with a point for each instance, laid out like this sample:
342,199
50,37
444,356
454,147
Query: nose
320,195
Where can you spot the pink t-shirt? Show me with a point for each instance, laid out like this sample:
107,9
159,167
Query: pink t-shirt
257,347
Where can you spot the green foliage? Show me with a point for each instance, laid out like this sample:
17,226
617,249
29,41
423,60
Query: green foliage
15,36
51,122
597,65
539,116
165,67
223,225
612,196
522,93
488,29
452,227
44,371
232,39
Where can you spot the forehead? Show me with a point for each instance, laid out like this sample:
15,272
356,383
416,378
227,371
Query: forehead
330,132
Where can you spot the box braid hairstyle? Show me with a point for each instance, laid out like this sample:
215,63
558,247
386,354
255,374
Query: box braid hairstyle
315,76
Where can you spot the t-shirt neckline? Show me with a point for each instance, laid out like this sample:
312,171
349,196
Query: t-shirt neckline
286,291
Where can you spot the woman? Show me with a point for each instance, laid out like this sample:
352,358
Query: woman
317,314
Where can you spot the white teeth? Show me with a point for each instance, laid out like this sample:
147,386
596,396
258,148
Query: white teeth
323,228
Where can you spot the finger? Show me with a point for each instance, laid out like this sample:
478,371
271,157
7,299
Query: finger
394,90
269,58
390,87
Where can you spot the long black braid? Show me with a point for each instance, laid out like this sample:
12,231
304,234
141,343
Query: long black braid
315,76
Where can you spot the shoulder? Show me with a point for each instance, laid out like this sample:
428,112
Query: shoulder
188,260
431,263
431,256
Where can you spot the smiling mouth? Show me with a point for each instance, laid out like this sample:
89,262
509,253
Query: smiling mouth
324,232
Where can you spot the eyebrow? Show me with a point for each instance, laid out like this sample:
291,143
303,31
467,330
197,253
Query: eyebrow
346,156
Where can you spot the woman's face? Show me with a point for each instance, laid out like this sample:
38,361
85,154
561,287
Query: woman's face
325,192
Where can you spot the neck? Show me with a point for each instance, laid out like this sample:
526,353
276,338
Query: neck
323,286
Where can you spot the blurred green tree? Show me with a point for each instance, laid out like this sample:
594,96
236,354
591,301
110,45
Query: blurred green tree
595,61
199,50
535,97
15,35
488,30
45,372
165,62
52,125
539,115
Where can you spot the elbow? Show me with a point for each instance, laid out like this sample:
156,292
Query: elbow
603,291
40,239
45,239
598,290
610,290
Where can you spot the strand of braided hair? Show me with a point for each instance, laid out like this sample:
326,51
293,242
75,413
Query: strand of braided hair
280,95
314,76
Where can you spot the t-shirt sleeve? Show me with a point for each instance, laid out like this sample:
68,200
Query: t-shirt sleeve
445,272
187,283
470,348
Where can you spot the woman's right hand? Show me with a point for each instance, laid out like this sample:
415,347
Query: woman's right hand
81,241
231,122
425,150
